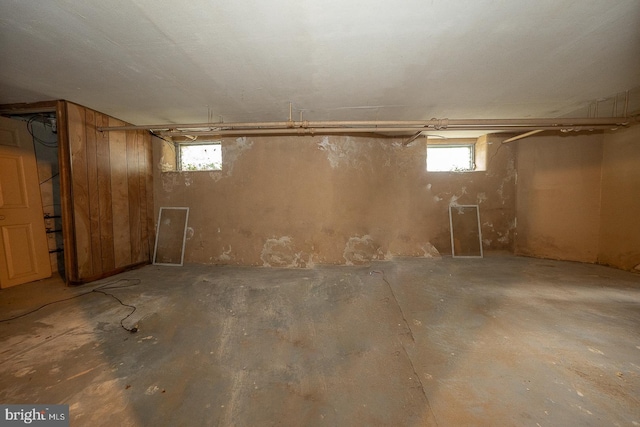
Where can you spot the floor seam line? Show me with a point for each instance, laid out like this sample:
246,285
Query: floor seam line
397,303
424,393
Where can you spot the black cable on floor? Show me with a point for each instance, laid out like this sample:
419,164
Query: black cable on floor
98,290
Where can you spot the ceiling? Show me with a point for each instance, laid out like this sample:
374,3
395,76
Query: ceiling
163,61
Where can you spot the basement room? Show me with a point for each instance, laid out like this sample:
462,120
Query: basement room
320,213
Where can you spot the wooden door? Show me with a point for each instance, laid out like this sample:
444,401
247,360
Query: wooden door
24,253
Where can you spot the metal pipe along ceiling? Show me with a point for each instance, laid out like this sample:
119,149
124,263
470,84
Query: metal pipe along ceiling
312,131
327,127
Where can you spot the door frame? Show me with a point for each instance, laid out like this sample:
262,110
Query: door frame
64,166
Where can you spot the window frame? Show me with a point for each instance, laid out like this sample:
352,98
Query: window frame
442,145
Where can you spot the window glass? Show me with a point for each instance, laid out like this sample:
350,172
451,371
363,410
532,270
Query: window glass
201,157
450,158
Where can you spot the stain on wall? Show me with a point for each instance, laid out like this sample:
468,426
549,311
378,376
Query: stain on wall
281,252
297,201
231,151
361,250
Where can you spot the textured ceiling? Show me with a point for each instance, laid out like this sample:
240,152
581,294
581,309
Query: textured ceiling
163,61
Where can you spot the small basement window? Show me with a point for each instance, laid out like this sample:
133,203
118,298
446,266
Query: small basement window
450,158
200,157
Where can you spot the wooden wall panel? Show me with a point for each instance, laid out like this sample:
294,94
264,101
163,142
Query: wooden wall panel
103,155
133,193
109,195
93,189
148,172
142,185
79,189
120,196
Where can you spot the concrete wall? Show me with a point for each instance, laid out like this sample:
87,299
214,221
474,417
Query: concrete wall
558,196
300,201
620,213
578,197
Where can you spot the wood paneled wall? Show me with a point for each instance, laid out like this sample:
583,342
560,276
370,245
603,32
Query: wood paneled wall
109,208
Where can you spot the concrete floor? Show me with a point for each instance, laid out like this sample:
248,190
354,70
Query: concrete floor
496,341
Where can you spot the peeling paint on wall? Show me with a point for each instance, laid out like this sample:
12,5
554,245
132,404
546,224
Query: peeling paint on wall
402,158
453,201
215,176
231,152
190,233
225,255
509,180
285,201
430,251
169,181
340,153
166,166
360,250
487,228
362,153
511,228
281,253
